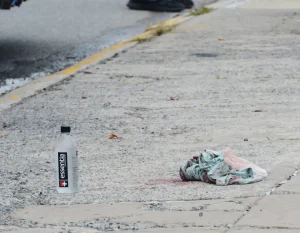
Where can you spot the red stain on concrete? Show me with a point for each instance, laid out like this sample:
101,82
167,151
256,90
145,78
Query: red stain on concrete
176,181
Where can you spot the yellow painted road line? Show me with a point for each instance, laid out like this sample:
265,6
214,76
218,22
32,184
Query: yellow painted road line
98,56
37,86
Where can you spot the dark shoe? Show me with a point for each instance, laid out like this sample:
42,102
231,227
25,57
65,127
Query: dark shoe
156,5
5,4
187,3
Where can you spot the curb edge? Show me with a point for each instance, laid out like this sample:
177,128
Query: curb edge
38,85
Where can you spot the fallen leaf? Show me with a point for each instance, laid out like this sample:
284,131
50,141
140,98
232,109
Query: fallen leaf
222,39
1,134
113,136
259,110
140,116
173,98
128,81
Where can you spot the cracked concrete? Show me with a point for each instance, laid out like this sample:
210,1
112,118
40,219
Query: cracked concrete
277,211
206,214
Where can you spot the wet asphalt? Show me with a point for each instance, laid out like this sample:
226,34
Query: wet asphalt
42,37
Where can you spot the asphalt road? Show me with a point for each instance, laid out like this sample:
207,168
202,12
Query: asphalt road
42,37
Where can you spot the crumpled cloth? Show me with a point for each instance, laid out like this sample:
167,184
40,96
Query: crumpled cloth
221,168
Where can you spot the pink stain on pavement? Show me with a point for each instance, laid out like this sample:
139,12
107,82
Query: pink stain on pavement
176,181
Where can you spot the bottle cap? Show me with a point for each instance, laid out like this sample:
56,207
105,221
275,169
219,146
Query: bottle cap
65,129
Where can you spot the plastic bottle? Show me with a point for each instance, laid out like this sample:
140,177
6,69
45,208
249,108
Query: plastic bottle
66,163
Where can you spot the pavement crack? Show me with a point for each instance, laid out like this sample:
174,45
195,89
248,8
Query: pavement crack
269,228
295,173
268,193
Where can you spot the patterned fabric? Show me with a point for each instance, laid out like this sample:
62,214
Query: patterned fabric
210,167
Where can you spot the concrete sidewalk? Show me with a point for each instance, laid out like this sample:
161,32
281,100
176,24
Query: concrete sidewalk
215,81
